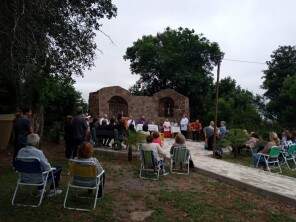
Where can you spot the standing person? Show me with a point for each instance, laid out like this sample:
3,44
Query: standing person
22,128
222,129
131,121
105,117
184,125
142,120
68,133
167,129
80,131
209,136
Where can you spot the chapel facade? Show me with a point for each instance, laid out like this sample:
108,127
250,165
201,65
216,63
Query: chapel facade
165,104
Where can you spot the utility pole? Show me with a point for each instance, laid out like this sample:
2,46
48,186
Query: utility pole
216,108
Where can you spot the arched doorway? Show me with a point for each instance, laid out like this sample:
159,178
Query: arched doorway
118,105
166,107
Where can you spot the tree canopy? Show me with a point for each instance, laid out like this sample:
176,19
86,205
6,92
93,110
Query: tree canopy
278,82
178,59
39,39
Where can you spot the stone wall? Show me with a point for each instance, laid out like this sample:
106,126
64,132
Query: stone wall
138,105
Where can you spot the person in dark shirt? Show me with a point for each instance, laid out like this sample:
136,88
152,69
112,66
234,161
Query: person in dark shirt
22,128
68,136
79,132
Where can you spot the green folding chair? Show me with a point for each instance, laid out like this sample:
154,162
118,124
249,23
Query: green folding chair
180,158
289,155
272,158
149,165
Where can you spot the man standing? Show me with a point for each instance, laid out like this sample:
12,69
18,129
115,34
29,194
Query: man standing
80,131
184,125
209,136
22,128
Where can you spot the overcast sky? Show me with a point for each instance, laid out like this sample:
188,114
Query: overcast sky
245,30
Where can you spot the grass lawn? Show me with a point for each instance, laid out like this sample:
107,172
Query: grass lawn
245,159
172,198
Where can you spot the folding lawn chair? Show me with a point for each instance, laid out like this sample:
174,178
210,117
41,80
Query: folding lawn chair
290,154
30,166
83,175
149,164
271,159
180,157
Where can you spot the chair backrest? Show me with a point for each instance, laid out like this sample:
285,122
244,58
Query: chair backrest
82,169
83,173
180,154
274,152
29,165
292,149
148,159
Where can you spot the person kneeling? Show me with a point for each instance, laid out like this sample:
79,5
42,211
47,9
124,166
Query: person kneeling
31,150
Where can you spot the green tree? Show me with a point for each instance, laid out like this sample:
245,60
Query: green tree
281,66
41,38
287,98
178,59
42,45
237,106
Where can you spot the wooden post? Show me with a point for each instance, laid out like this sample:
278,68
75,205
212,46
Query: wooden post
216,108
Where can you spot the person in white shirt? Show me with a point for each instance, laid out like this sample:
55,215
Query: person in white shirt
184,125
105,117
167,129
131,121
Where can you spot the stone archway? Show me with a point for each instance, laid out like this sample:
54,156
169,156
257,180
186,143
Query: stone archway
118,105
166,107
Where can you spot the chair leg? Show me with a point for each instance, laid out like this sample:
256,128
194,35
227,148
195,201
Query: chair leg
66,196
42,194
278,162
267,165
14,195
54,187
96,196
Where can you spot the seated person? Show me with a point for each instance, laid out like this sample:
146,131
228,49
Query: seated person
158,153
85,153
31,151
252,141
273,141
286,139
156,138
293,136
179,143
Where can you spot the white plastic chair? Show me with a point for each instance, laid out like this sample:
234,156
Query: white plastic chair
25,167
83,175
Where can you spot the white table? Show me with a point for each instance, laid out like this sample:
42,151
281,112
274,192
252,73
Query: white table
175,129
152,127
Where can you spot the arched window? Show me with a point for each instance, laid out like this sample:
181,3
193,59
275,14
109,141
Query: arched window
166,107
118,105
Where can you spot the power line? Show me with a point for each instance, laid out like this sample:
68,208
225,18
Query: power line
244,61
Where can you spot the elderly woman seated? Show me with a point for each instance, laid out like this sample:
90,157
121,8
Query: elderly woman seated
252,141
273,141
180,143
85,153
158,152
